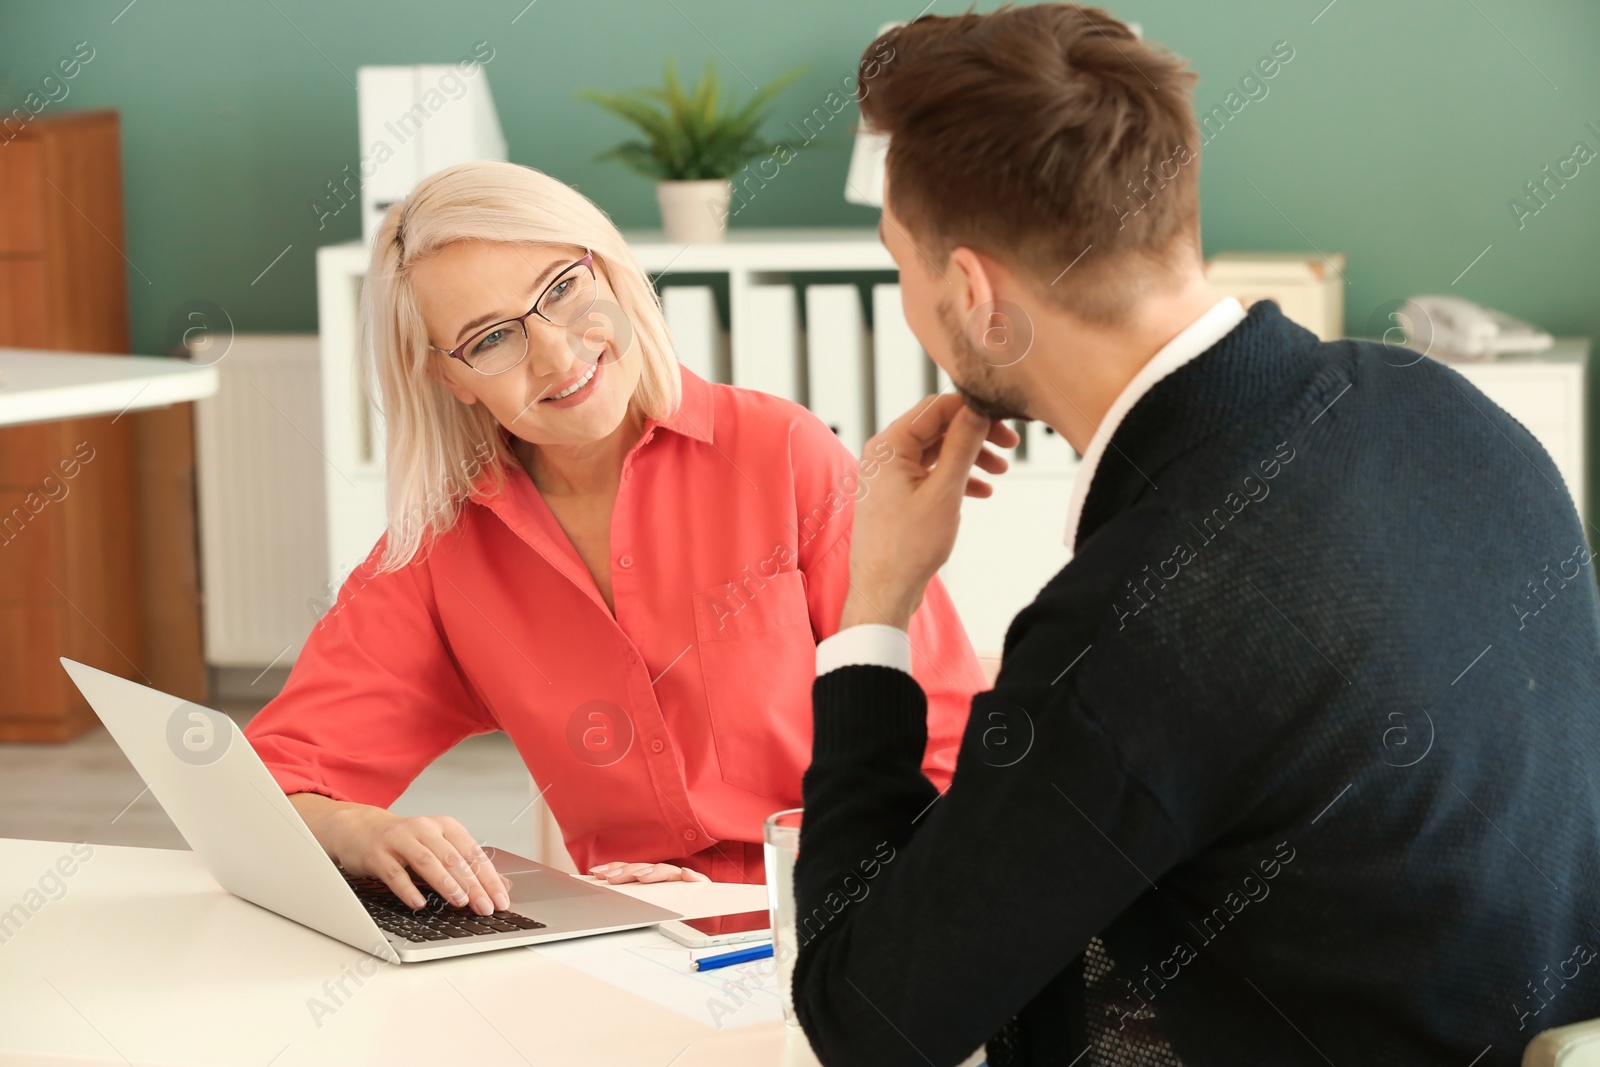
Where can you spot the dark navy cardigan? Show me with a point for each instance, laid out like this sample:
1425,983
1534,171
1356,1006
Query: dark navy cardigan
1297,761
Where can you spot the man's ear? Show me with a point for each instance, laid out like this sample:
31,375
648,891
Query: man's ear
975,279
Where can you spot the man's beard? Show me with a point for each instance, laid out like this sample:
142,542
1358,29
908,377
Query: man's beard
975,377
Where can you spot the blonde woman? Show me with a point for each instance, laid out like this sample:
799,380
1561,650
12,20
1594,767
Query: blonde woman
624,567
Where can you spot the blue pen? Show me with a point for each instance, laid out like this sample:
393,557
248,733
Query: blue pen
728,959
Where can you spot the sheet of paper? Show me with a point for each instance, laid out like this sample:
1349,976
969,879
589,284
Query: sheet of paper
651,965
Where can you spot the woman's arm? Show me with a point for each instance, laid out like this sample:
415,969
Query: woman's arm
373,698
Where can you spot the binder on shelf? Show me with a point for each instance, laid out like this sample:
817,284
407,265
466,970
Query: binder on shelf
391,105
691,314
837,351
900,367
768,354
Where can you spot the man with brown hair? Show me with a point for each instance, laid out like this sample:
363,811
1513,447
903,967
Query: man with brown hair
1293,763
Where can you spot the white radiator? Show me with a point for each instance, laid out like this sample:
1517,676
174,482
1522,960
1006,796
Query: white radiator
263,539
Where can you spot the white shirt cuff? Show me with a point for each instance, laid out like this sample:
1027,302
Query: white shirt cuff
869,644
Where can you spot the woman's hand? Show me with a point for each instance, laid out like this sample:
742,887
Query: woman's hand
617,873
373,842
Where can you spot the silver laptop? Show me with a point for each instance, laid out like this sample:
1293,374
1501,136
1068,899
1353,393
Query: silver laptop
235,816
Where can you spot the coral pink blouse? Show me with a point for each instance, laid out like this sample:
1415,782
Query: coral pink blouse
665,733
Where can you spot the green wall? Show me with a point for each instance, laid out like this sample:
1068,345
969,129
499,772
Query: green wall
1396,135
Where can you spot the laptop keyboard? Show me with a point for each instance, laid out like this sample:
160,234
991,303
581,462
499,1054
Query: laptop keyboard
436,920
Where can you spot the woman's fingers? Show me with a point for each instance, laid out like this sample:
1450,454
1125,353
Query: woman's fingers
629,872
392,869
621,871
438,851
667,872
447,858
618,873
494,885
421,859
420,844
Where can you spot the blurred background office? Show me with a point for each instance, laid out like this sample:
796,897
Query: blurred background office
190,182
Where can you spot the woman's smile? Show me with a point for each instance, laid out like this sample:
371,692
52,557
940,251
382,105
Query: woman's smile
575,390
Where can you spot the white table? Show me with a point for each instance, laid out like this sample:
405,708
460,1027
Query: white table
40,386
143,959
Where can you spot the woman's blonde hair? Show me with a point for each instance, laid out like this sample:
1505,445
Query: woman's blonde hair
435,444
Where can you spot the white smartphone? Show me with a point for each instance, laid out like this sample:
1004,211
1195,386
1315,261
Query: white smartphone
719,929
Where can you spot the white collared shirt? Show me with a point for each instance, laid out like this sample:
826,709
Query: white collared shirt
1191,341
878,644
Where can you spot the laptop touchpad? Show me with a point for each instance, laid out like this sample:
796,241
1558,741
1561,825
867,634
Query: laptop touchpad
531,881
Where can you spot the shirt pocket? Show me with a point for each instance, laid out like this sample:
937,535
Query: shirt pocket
758,658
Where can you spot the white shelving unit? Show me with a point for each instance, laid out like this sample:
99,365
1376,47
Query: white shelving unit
774,250
761,258
352,431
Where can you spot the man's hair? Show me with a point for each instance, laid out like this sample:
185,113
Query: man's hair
1034,134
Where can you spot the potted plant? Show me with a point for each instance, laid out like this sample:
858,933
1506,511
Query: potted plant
695,142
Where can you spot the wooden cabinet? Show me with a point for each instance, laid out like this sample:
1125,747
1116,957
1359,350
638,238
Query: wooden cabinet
71,550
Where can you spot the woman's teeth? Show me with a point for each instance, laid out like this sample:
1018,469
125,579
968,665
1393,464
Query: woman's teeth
579,384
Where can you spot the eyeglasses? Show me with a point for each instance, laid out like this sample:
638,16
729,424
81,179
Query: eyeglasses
496,349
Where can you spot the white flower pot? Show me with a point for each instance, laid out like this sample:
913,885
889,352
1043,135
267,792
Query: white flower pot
695,212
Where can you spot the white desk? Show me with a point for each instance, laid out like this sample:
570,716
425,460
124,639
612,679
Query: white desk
40,386
144,959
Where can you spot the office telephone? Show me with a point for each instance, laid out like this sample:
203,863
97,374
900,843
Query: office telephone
1448,327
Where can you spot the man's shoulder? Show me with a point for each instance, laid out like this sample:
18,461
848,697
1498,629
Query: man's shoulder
1392,381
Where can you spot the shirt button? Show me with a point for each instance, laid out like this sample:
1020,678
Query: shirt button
656,746
690,835
626,561
627,475
633,657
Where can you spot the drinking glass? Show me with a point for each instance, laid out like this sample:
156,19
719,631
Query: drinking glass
781,844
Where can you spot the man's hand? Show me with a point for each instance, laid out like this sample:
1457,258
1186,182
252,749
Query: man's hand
905,521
